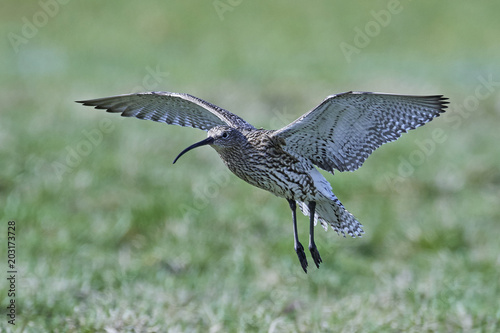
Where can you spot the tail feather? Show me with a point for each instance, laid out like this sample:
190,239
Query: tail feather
333,213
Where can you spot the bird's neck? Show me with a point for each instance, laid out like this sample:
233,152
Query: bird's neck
249,154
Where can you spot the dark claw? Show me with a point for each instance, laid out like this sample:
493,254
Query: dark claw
315,254
302,256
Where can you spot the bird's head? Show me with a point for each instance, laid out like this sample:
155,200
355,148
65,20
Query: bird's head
219,138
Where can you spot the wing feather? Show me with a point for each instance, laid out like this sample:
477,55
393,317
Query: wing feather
346,128
169,108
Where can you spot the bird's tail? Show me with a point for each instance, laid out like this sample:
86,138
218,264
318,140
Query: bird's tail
332,212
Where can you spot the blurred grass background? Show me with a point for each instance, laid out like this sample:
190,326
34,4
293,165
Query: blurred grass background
115,238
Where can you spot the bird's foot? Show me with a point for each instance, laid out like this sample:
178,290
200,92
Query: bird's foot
302,256
315,254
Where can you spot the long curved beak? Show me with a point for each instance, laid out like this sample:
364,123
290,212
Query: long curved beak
207,141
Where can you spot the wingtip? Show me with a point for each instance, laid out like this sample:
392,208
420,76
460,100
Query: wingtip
86,102
443,102
95,104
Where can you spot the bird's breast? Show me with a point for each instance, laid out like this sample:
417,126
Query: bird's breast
267,166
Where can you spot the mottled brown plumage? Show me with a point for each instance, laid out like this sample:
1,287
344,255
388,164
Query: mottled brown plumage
338,134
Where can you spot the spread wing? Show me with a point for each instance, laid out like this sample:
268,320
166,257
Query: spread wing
346,128
169,108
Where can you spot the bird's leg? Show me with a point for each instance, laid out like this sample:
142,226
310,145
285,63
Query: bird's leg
298,247
312,244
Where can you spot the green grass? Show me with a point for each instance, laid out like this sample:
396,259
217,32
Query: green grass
121,240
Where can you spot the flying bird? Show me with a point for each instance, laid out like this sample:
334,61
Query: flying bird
338,134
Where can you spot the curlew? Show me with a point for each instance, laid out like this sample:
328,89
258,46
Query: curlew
339,134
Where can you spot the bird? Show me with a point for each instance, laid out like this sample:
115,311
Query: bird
339,134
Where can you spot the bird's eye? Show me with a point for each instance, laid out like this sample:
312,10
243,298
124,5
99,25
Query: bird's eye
225,135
